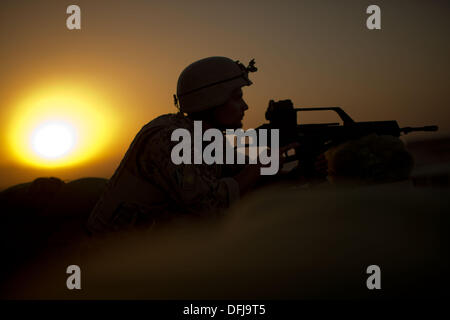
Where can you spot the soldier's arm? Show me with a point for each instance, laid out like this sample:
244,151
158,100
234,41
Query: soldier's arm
193,188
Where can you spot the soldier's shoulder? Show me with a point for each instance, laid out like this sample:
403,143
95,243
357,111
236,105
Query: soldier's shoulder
157,133
168,122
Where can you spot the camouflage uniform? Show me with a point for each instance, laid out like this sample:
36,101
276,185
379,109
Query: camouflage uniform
147,187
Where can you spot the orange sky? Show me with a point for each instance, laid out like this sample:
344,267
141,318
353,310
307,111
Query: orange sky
130,53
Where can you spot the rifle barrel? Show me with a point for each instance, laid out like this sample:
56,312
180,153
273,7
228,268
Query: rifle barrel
407,130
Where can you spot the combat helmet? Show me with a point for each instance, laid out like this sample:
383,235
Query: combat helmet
209,82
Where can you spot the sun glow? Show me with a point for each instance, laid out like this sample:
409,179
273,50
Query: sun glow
61,126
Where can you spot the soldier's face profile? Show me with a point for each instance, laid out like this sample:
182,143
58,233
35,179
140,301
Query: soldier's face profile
230,114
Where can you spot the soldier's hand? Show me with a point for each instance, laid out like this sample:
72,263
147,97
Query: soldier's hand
284,151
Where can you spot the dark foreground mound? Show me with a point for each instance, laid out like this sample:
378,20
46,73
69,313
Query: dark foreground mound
35,213
277,243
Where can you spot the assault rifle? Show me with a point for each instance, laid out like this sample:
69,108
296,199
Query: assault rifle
314,139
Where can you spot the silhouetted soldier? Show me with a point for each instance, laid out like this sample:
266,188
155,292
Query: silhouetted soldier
148,187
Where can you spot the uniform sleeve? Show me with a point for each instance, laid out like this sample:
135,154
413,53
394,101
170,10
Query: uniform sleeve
194,188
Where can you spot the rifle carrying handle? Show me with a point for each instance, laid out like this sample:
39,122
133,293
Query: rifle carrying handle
341,113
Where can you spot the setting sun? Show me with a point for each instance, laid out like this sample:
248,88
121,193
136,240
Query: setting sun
61,126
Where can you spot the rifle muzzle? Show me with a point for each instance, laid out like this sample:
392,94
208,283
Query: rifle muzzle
407,130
